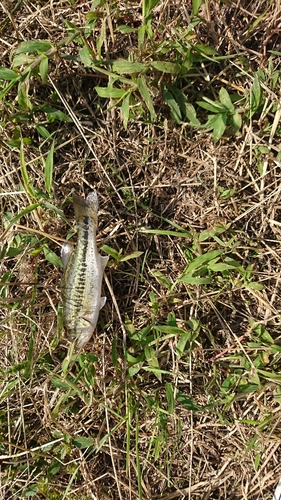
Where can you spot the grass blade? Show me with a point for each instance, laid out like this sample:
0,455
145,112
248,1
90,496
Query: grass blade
49,163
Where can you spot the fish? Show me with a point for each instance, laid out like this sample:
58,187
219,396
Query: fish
83,273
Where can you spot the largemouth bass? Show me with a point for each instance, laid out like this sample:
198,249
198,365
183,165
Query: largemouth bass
83,272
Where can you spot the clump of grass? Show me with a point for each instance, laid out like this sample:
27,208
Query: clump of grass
172,113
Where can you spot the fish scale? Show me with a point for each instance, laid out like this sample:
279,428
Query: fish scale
83,272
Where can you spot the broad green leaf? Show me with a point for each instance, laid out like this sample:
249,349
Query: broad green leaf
152,4
114,352
220,266
122,67
178,96
59,115
237,120
191,280
211,233
86,56
225,99
256,22
110,92
8,74
194,324
143,89
129,326
97,3
71,382
59,383
124,28
125,109
111,251
205,49
43,131
71,27
134,360
174,107
82,442
257,461
202,259
211,121
133,255
23,97
15,143
55,114
219,126
225,194
196,4
171,320
174,224
153,301
33,46
187,402
182,343
166,66
7,88
249,421
255,286
152,360
186,109
133,370
167,232
141,36
22,213
162,278
50,206
54,467
190,114
92,16
261,331
48,167
25,177
100,39
263,149
270,375
275,52
22,60
170,329
31,491
215,107
52,257
274,348
43,68
157,371
12,252
170,397
256,95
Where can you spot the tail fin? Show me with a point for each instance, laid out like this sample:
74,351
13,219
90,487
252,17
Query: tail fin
86,208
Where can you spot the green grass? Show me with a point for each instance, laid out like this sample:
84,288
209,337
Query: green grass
172,113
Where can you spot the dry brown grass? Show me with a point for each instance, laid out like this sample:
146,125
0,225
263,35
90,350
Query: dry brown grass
145,175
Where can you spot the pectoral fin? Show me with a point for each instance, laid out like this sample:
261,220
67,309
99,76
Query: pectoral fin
103,261
102,302
66,251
